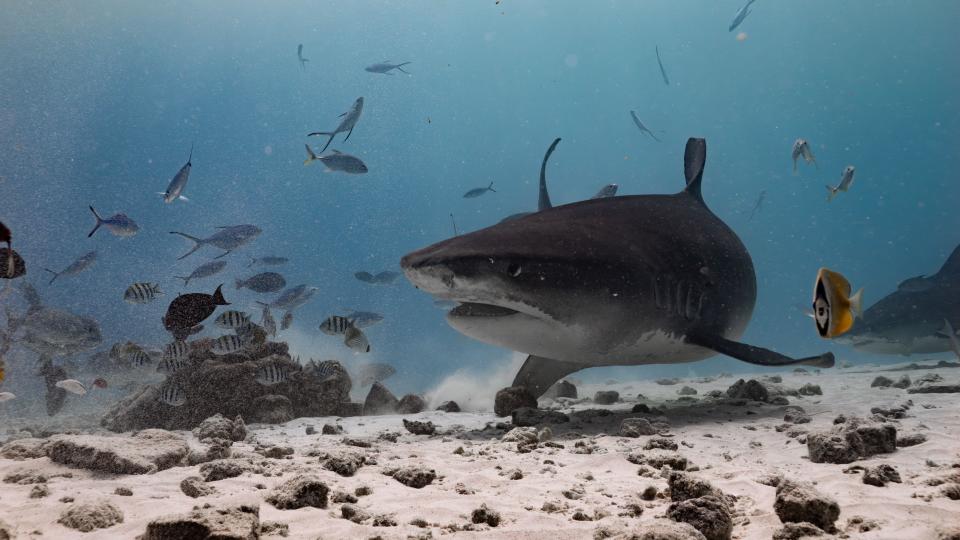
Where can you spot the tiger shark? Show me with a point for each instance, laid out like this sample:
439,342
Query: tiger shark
629,280
917,318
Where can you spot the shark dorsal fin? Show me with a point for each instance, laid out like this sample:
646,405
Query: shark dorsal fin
543,202
694,158
952,266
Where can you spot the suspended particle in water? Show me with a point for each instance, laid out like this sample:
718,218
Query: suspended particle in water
571,60
742,36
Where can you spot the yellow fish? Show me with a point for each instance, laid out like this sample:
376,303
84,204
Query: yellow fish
834,310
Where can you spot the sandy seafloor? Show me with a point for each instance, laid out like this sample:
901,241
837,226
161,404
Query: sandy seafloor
733,446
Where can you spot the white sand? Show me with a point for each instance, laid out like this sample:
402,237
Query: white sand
911,510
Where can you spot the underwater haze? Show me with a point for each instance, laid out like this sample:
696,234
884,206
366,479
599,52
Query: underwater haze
101,102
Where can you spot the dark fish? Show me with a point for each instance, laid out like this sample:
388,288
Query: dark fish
268,261
187,311
12,264
5,235
55,395
204,270
643,128
476,192
75,267
386,277
758,205
266,282
179,182
303,61
740,16
286,321
365,277
118,224
663,72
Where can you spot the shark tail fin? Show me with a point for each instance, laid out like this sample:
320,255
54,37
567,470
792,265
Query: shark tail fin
196,241
99,222
856,304
694,160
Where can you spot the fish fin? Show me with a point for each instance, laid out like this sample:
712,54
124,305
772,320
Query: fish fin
755,355
856,304
99,222
832,194
190,158
952,265
55,275
186,280
197,243
694,159
335,151
182,198
218,297
653,136
314,133
794,166
490,188
224,254
543,202
349,133
538,373
342,115
403,70
311,157
253,261
330,140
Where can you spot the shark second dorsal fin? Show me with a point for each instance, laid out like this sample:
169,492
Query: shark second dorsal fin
543,202
694,159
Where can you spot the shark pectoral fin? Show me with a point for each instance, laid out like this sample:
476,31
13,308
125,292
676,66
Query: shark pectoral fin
756,355
538,373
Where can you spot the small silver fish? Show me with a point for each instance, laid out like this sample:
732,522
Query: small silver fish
801,149
286,321
268,322
386,67
231,319
337,162
356,340
72,385
335,325
204,270
363,319
846,179
272,373
179,182
228,344
267,261
172,394
476,192
349,121
75,267
609,190
264,282
118,224
142,293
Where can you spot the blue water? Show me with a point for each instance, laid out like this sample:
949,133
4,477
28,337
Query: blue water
101,101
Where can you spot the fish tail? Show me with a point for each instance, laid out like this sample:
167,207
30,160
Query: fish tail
832,194
190,158
186,280
490,187
99,222
55,274
218,298
197,243
400,67
856,304
156,289
311,157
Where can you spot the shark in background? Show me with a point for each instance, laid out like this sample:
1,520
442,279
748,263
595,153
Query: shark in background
911,320
629,280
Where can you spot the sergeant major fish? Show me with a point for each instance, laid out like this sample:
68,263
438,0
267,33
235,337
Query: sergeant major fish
142,293
335,324
356,340
231,319
274,372
118,224
172,394
229,344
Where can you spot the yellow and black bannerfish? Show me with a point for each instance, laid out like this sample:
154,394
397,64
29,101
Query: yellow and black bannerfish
834,310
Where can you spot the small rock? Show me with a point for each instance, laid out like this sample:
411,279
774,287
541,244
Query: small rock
222,469
929,378
640,408
194,486
658,460
449,406
776,400
521,435
902,382
687,391
797,531
664,529
810,389
660,443
340,497
330,429
796,415
411,404
88,517
220,427
274,452
380,401
881,382
415,476
911,440
708,515
529,416
362,491
345,464
39,491
667,382
606,397
419,428
276,528
851,441
635,427
123,491
752,389
880,475
485,515
796,502
354,513
299,492
951,491
310,430
512,398
562,389
685,486
236,523
22,449
649,493
384,520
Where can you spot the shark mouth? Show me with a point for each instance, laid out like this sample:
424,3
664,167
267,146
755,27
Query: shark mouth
472,309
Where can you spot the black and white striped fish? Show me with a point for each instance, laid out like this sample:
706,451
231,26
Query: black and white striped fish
229,344
356,340
273,373
172,394
142,293
169,366
335,325
268,322
232,319
139,358
178,350
286,321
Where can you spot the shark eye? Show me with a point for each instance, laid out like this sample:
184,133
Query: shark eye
514,269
